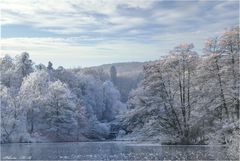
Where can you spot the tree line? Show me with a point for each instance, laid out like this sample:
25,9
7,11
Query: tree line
40,103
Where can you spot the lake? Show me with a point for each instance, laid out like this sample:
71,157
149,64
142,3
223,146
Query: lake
111,151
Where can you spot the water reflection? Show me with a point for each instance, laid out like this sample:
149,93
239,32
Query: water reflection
111,151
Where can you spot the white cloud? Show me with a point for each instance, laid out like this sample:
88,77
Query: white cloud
71,16
103,16
108,30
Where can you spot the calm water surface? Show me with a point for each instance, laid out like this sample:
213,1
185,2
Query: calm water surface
110,151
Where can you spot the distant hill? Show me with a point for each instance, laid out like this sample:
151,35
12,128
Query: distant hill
127,69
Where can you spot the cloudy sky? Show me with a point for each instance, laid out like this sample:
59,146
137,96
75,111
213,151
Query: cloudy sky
91,32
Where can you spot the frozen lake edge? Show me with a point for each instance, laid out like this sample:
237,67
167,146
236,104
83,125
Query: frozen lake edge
112,150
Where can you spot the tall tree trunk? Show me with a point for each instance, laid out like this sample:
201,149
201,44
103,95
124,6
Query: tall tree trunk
184,99
235,82
188,94
57,122
32,121
224,105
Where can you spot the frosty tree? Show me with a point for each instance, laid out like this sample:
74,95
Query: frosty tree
60,111
33,94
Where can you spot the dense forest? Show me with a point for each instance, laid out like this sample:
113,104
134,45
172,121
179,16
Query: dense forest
45,104
185,97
